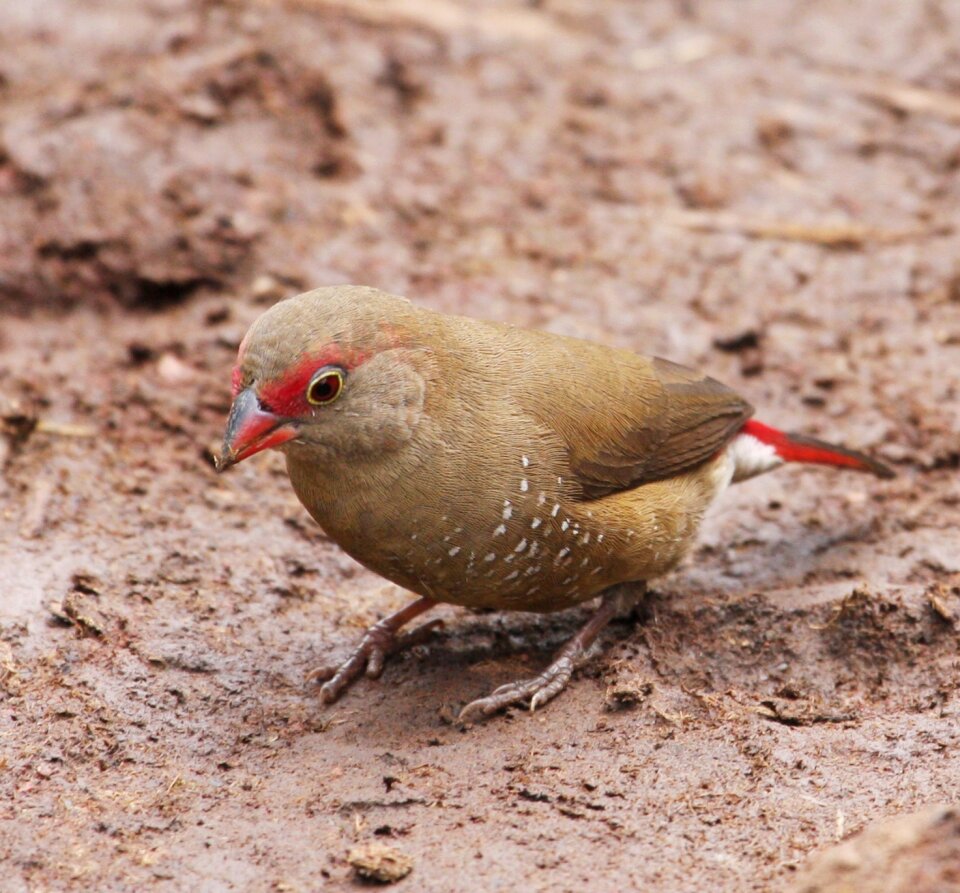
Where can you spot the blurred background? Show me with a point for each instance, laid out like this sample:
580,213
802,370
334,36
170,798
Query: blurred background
765,190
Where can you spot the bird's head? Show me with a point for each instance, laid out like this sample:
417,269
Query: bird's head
330,371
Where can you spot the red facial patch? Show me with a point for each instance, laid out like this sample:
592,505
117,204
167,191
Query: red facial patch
236,379
287,395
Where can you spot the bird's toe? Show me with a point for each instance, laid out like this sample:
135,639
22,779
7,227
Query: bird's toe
534,692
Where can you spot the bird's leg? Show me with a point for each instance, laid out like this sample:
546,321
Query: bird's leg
378,643
540,689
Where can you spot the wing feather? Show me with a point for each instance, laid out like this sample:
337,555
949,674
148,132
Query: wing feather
644,420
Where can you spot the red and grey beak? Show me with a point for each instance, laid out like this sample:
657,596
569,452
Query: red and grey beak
250,429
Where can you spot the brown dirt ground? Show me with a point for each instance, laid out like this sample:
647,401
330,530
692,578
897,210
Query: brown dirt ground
766,190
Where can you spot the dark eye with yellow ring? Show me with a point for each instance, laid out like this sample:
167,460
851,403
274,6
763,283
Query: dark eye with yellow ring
325,386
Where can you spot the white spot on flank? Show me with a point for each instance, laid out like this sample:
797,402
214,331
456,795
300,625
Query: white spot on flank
530,571
507,511
566,580
563,553
525,461
524,485
458,530
600,538
501,529
585,538
585,562
555,510
413,536
535,523
565,524
511,576
542,498
454,551
596,570
490,556
534,548
509,558
521,546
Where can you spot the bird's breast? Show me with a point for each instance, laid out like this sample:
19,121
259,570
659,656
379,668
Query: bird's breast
519,542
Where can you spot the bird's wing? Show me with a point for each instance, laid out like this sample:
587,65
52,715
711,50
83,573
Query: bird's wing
639,420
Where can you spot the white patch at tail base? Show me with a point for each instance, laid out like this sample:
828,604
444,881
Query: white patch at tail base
752,457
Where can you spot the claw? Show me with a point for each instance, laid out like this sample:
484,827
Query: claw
321,674
329,694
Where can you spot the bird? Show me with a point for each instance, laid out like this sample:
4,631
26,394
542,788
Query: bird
490,466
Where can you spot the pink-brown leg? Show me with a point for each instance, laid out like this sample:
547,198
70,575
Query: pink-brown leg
378,643
540,689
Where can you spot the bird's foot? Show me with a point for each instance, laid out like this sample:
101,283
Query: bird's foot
534,692
379,642
540,689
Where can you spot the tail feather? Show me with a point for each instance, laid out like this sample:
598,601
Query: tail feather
800,448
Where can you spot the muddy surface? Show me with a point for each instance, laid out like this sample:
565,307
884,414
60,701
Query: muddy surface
765,190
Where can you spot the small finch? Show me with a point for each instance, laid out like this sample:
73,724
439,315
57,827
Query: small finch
490,466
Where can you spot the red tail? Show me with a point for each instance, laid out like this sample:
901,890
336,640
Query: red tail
798,448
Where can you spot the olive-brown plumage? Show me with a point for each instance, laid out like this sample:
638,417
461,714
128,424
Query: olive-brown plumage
490,466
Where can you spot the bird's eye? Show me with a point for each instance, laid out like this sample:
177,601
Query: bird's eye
325,386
